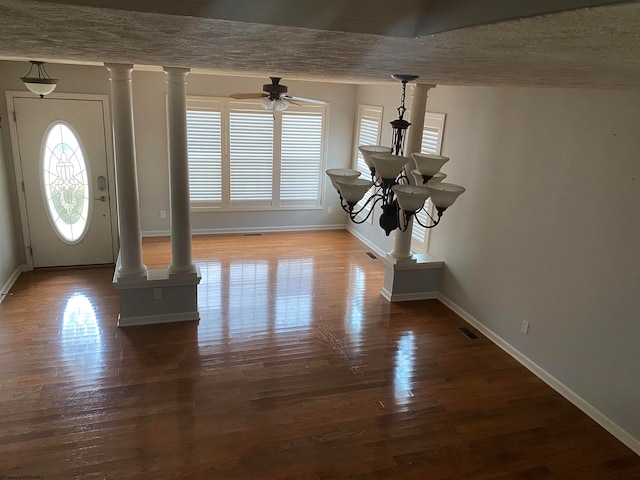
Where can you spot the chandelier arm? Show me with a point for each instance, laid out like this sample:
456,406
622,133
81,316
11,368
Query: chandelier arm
353,215
375,197
435,221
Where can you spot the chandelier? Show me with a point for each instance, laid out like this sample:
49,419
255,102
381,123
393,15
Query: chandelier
400,200
41,85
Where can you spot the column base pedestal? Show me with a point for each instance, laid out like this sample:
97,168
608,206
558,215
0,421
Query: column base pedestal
157,297
413,278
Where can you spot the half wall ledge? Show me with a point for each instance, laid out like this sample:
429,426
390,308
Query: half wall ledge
413,278
157,297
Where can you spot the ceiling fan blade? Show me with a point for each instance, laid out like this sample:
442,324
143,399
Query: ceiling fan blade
292,102
302,99
242,96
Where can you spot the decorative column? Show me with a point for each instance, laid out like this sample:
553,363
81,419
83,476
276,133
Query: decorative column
407,278
402,241
130,261
181,261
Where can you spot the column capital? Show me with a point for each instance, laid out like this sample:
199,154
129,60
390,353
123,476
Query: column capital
428,86
176,70
176,74
119,71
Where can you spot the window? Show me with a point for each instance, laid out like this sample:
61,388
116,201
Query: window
431,143
367,133
204,140
65,182
242,156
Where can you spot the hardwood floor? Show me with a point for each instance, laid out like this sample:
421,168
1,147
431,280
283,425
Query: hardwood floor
298,369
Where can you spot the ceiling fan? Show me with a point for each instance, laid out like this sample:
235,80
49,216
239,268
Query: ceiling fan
274,96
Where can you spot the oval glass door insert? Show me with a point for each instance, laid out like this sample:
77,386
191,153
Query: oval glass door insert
65,181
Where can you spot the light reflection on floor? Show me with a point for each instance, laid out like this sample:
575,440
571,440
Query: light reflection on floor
355,304
403,369
81,337
256,297
285,302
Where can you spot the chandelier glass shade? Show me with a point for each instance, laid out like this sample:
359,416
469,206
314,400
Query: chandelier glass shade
390,186
41,85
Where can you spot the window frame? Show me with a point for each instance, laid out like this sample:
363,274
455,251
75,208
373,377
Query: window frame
225,106
437,121
365,111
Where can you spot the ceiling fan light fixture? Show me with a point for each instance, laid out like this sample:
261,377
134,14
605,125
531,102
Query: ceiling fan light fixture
274,97
280,105
266,103
41,85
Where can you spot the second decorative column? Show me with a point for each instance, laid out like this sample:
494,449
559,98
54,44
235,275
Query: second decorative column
181,261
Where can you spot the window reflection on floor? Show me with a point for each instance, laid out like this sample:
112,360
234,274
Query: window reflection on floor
81,338
248,297
355,304
403,369
251,297
294,293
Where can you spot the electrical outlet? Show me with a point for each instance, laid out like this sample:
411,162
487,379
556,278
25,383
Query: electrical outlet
329,210
525,327
157,293
163,214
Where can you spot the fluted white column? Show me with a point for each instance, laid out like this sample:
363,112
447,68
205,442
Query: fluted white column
126,172
181,261
402,240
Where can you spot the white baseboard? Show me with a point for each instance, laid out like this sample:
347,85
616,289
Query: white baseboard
160,318
407,297
240,230
365,240
604,421
12,279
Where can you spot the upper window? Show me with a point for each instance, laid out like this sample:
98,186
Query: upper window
242,156
65,183
431,143
368,131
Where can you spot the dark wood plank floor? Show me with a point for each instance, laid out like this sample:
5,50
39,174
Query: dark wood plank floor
298,369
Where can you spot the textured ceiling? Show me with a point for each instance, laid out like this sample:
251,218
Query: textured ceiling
593,47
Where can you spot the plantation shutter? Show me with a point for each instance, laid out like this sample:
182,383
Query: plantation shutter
431,143
251,156
204,140
301,157
369,129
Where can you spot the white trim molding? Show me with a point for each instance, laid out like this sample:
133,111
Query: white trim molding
4,292
407,297
364,240
242,230
600,418
135,321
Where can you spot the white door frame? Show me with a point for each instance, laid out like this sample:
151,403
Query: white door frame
17,165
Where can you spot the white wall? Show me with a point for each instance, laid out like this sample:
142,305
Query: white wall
149,90
549,231
10,256
150,117
72,79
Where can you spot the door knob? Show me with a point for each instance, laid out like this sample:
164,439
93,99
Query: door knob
102,198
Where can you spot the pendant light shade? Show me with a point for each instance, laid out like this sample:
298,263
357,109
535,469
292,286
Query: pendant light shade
41,85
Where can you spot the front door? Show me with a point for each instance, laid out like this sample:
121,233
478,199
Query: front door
64,157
